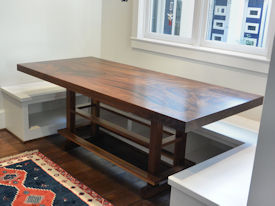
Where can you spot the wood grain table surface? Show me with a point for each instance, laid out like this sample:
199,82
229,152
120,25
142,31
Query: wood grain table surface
145,92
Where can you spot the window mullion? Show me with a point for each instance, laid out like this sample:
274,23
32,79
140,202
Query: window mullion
271,30
175,14
198,22
147,13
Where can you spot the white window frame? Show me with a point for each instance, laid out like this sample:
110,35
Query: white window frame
197,48
165,37
238,49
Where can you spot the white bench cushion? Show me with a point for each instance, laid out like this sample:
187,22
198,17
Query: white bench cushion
31,91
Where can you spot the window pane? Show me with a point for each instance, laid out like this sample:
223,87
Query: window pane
239,22
172,17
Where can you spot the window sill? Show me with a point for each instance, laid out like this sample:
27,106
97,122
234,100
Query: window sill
238,60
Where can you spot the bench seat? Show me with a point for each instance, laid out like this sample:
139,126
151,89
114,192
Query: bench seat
35,110
222,180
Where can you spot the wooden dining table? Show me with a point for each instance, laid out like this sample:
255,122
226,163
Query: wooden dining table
162,99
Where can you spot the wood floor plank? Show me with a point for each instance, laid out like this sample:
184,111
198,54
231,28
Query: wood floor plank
113,183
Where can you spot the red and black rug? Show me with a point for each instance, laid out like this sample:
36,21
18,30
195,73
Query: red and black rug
31,179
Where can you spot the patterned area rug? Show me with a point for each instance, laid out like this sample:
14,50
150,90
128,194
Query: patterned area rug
32,179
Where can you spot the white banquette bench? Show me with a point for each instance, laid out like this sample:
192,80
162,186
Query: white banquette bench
35,110
224,179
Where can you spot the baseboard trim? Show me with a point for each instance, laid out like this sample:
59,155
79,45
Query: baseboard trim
2,119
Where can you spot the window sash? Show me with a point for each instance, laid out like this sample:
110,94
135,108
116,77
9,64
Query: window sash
158,36
232,47
199,31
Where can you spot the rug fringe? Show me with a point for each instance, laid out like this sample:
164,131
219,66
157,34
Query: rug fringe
18,155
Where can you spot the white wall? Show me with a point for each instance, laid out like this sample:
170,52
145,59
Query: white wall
263,178
37,30
116,33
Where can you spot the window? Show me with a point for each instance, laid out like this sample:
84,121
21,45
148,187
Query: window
227,25
243,22
171,19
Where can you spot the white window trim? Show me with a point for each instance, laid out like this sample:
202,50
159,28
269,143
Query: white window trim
164,37
202,53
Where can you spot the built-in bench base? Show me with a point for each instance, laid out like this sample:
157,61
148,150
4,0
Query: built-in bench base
35,110
224,179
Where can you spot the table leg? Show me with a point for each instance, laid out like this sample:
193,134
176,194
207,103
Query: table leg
70,110
154,159
155,146
70,118
180,147
150,191
95,112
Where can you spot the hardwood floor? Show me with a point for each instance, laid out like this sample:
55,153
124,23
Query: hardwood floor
113,183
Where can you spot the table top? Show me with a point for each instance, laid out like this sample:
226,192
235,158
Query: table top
173,97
